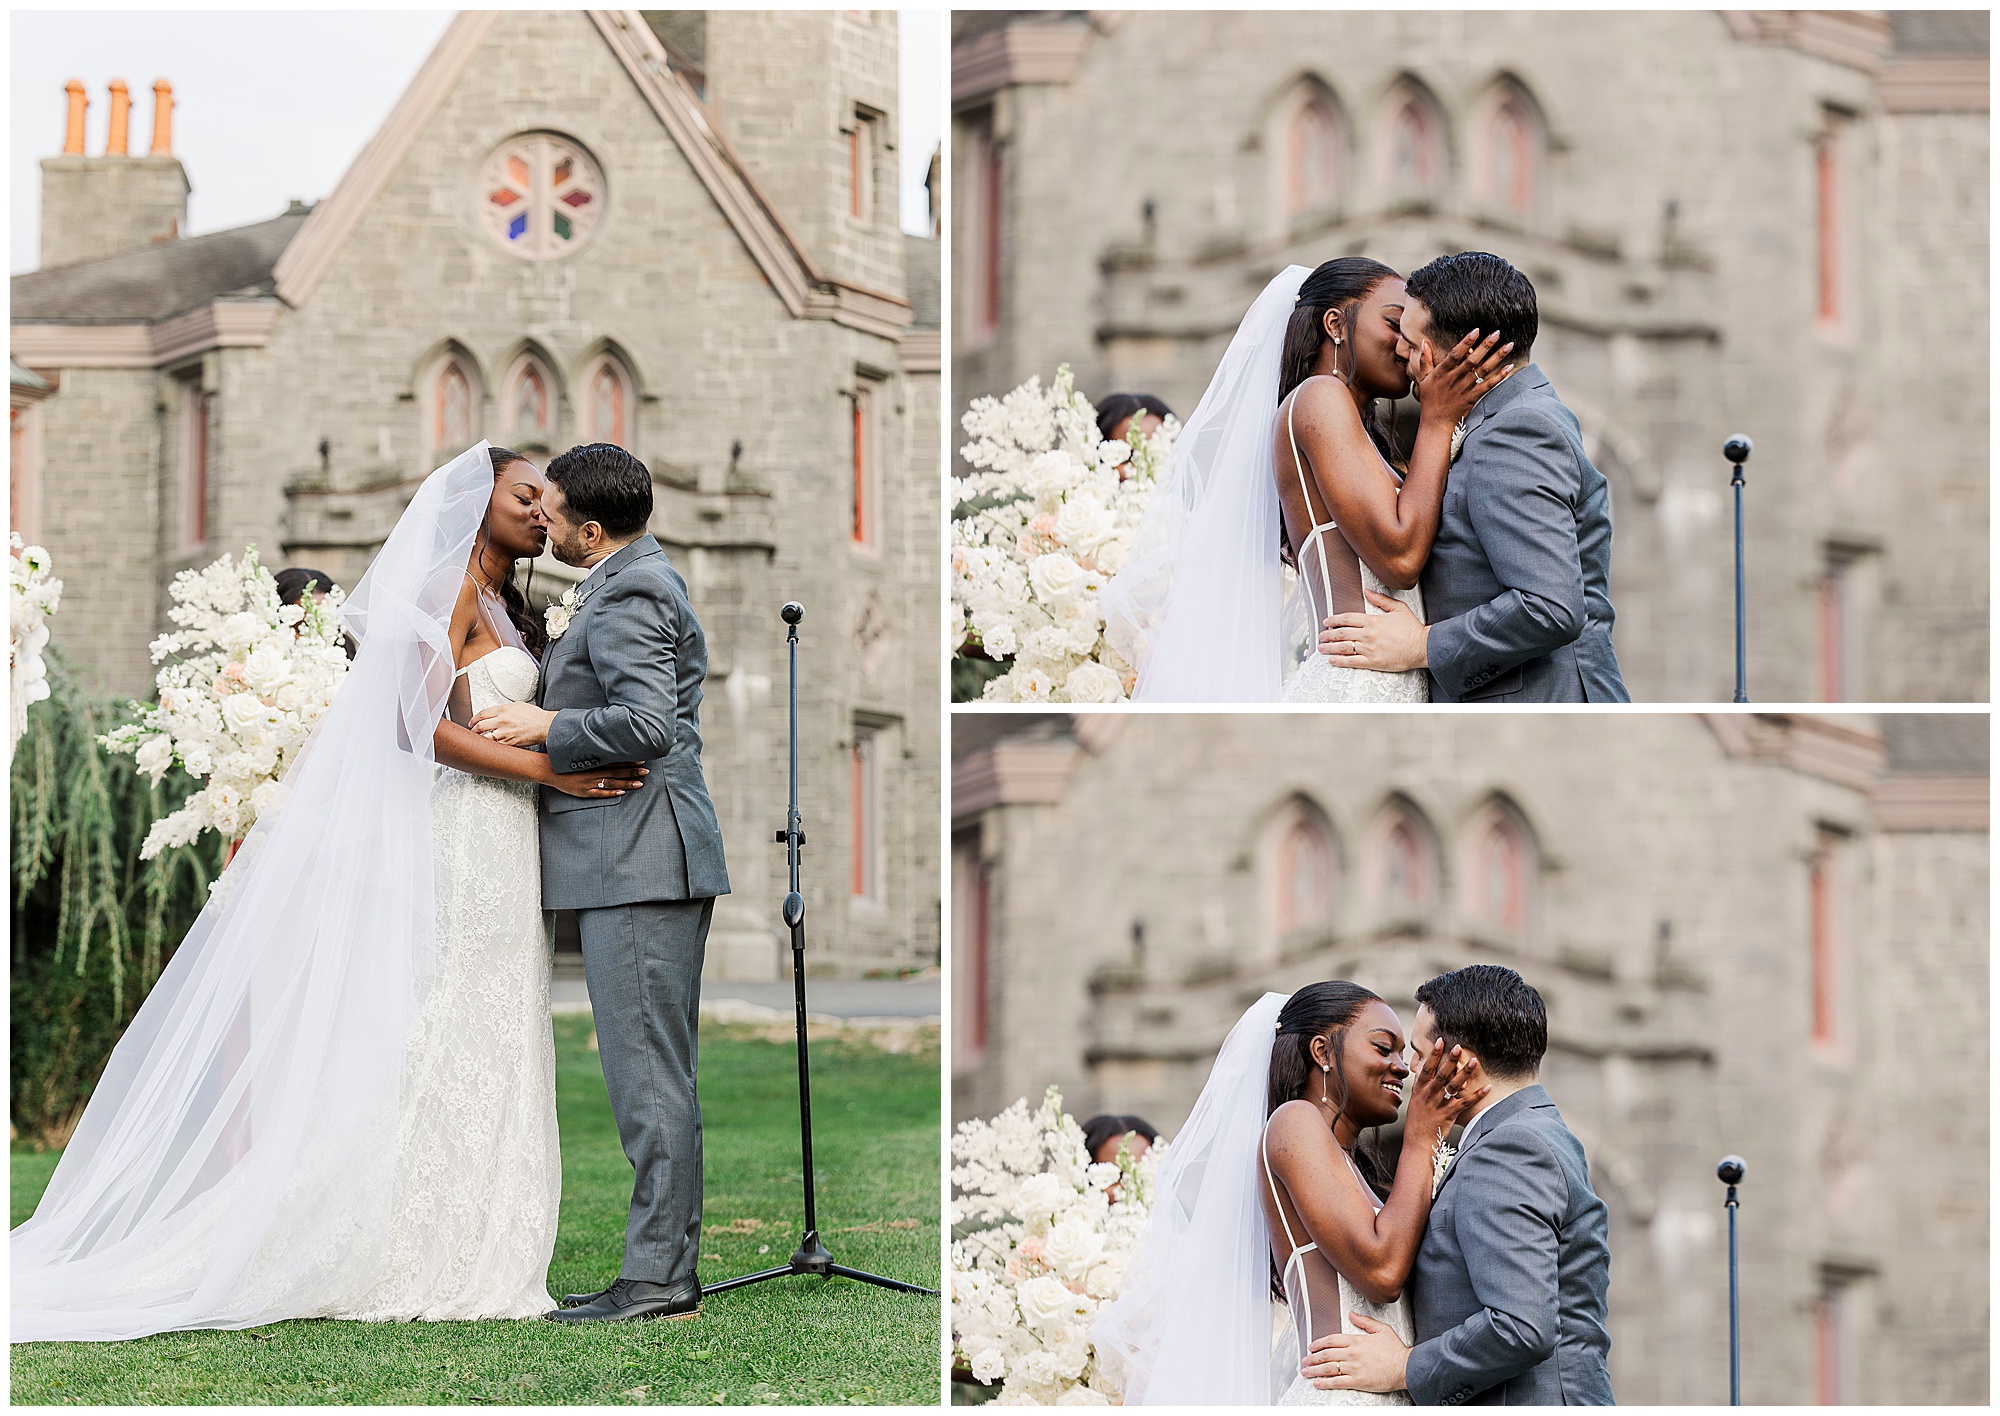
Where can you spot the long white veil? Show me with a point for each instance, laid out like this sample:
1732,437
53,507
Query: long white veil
1197,607
235,1163
1192,1326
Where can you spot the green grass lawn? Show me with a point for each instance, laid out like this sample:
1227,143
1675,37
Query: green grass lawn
793,1340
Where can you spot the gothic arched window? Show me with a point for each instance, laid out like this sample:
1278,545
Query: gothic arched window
540,195
1407,868
607,403
1415,137
454,409
1303,870
1315,145
1512,160
1502,870
531,404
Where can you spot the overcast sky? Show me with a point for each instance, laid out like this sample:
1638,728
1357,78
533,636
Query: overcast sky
272,105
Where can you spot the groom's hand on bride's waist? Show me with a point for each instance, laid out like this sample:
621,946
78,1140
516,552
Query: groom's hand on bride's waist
1394,641
516,724
1370,1359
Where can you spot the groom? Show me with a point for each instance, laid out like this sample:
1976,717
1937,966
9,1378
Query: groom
621,682
1517,586
1508,1291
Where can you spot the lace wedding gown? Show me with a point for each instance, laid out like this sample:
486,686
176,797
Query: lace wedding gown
1319,679
1313,1287
478,1170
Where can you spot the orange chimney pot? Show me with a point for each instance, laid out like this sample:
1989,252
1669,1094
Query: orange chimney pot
73,133
121,115
163,119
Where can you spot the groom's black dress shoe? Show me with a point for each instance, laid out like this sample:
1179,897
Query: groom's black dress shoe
577,1300
630,1298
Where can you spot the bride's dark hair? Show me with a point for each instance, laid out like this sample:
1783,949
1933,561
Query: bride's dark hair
511,595
1319,1010
1340,284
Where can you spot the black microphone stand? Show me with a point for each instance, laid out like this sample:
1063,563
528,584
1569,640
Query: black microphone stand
1730,1172
811,1256
1737,450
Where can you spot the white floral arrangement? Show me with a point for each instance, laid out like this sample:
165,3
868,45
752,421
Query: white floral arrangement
35,595
1056,507
249,676
1043,1234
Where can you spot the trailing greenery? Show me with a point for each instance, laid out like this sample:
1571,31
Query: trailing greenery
93,925
795,1341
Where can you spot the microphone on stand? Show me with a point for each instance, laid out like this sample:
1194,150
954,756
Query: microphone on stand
1730,1172
1737,450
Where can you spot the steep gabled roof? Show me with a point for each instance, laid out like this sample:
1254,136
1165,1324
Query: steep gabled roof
802,289
158,281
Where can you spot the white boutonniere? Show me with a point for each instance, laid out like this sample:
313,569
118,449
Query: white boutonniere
1457,439
1441,1160
558,615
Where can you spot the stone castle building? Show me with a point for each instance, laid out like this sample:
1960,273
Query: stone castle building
1766,222
675,231
1756,934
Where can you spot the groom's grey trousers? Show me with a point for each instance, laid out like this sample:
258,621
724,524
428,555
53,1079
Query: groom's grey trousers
641,871
642,964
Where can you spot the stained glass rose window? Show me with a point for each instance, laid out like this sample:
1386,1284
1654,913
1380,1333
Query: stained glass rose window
540,195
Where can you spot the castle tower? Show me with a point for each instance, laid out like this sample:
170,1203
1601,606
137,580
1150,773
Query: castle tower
98,206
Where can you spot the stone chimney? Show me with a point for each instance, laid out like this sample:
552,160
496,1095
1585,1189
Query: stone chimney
99,206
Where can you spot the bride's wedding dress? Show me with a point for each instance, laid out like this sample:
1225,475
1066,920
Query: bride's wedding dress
478,1172
338,1097
1320,1298
1319,679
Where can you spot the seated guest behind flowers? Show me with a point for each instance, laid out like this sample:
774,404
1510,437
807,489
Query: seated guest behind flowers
1120,413
295,580
1103,1135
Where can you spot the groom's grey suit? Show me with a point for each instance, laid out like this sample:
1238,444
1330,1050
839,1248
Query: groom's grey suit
1508,1291
1517,587
642,871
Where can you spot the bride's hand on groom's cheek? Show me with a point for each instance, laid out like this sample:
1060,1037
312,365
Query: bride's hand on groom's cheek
1372,1359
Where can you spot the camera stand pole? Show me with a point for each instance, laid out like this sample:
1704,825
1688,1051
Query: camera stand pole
811,1255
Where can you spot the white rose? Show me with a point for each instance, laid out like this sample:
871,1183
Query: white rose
1055,576
1102,1281
266,668
239,631
1073,1246
1093,683
291,696
1112,551
1048,642
1083,1396
1040,1197
999,641
1053,473
1047,1302
244,713
1032,685
267,797
224,805
197,761
989,1366
1083,522
156,755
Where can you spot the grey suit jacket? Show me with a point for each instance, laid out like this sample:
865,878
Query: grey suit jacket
1517,587
625,683
1508,1291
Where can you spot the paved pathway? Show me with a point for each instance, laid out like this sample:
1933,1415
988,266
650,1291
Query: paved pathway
914,1000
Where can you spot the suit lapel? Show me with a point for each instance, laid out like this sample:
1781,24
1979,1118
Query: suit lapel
1518,386
1484,1123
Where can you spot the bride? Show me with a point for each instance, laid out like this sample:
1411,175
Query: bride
1286,460
339,1098
1268,1192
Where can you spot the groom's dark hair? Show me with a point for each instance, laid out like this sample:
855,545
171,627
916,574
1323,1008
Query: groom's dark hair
602,482
1476,290
1493,1013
